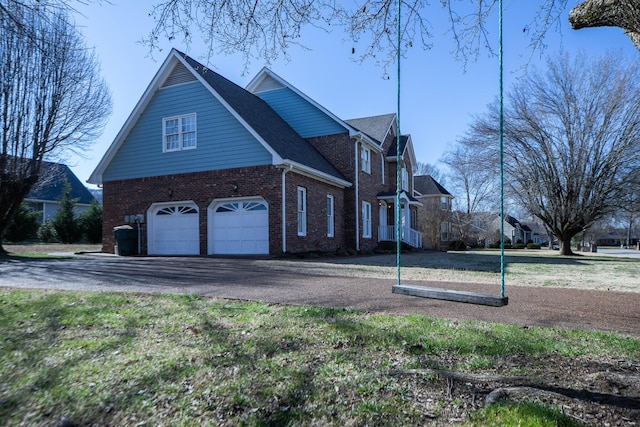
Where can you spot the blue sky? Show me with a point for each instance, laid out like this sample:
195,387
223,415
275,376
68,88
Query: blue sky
438,97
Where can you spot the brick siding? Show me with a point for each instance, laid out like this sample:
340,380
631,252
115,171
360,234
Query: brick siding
135,196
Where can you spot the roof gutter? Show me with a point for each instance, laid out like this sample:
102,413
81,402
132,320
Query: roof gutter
316,174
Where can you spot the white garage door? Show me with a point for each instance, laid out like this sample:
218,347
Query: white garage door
239,227
174,230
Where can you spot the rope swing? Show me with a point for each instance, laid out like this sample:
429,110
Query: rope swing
448,294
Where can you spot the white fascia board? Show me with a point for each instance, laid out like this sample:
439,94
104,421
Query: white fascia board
412,154
154,86
316,174
403,196
255,82
370,143
161,74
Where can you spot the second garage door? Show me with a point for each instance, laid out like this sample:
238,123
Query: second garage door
239,227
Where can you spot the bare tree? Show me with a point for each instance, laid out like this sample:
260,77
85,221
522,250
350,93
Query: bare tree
473,180
267,29
432,170
572,141
52,99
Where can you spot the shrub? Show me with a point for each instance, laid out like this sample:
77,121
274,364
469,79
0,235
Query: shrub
64,222
46,232
24,225
533,246
457,245
91,223
519,246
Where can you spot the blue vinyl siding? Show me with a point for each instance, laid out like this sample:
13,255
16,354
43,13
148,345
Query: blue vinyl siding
222,142
302,116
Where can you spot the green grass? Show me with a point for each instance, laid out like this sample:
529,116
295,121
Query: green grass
524,414
127,359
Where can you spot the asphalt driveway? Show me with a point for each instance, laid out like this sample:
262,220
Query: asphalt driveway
244,279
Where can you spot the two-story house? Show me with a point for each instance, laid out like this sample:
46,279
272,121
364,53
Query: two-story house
207,167
435,212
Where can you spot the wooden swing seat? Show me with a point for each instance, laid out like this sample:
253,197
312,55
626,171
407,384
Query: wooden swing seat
451,295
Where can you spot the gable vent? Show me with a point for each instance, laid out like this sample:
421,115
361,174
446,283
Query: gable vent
180,74
267,83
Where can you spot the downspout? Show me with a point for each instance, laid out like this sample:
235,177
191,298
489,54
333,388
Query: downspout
284,209
357,174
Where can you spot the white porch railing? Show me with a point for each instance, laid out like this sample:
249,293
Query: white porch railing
409,236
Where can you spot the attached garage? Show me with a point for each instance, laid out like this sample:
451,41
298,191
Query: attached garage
173,229
239,226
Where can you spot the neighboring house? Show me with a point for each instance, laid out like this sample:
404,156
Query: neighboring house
207,167
518,232
46,194
435,212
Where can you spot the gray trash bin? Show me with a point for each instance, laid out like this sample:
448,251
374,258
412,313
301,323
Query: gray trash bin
126,240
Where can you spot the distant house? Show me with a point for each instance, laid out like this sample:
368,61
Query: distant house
46,194
435,212
208,167
519,232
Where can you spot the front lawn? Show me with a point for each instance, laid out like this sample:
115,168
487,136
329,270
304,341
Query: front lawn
122,359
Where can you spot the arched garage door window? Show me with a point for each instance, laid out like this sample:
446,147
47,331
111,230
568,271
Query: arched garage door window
174,229
239,227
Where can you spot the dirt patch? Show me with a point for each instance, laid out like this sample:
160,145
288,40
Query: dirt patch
593,393
49,248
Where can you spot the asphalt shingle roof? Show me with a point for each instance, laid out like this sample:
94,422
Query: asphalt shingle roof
266,122
50,185
376,127
425,184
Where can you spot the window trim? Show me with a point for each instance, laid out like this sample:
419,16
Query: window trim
330,216
180,133
365,160
405,179
302,211
366,220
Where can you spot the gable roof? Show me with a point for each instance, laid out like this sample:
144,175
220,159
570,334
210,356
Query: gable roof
266,122
266,79
51,182
377,127
276,136
426,185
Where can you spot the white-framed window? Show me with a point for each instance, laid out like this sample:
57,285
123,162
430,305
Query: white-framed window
405,179
365,157
302,211
444,203
330,216
179,133
382,166
366,219
445,229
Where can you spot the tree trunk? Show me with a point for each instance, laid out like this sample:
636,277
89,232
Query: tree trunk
565,246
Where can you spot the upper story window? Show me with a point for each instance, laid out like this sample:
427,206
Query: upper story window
382,166
444,202
405,179
365,156
179,133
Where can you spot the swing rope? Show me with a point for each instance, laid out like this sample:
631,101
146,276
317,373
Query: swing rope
445,294
398,153
501,97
